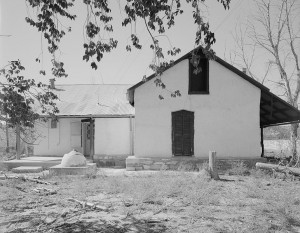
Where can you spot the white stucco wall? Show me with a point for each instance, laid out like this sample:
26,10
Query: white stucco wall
226,120
60,140
112,136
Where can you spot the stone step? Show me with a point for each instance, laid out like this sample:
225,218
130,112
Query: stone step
33,161
27,169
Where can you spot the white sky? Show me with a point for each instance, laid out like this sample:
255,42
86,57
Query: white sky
118,66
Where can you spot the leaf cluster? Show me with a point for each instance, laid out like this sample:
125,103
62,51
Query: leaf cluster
157,16
47,22
19,97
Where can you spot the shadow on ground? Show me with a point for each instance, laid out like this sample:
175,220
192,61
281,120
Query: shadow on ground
86,226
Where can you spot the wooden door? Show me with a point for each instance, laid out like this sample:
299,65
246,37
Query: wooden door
86,135
183,133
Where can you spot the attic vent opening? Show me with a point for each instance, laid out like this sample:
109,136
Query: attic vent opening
52,83
199,82
54,123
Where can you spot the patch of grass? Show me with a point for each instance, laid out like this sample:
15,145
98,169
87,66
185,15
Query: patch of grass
245,204
239,168
3,168
202,166
187,166
261,173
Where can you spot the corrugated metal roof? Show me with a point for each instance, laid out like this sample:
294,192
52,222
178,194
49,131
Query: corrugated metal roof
95,100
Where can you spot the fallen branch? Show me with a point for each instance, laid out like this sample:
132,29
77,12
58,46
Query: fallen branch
171,203
21,189
45,191
37,181
24,179
278,168
156,220
88,204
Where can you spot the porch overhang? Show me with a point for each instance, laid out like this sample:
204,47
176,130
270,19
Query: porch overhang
275,111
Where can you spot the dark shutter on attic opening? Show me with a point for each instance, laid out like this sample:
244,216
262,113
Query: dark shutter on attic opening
183,133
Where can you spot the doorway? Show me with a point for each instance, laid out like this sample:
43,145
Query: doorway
86,138
183,133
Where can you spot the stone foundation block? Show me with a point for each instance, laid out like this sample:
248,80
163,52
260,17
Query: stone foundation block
172,162
139,168
130,168
146,167
155,167
159,163
185,163
59,170
148,162
110,160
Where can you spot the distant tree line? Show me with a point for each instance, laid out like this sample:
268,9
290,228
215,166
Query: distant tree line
280,132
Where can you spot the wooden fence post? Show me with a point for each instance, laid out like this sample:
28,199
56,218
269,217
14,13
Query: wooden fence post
212,165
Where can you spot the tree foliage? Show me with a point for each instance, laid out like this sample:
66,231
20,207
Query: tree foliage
157,16
275,30
23,99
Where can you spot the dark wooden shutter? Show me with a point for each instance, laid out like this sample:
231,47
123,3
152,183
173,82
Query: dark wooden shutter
183,133
199,83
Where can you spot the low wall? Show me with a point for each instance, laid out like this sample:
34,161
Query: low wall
185,163
110,160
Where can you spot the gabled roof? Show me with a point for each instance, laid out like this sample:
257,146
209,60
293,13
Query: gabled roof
84,100
273,110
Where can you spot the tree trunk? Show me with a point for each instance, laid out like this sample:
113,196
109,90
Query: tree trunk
18,141
293,139
7,138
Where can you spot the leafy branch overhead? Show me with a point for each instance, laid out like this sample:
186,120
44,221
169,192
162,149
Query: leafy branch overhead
21,98
156,15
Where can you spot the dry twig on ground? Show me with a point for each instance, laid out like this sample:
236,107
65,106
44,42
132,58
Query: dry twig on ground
24,178
88,204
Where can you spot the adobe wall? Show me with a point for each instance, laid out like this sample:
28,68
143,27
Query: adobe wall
226,120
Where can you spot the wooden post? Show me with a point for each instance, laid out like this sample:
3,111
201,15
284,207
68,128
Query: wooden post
92,138
131,136
212,165
262,141
18,141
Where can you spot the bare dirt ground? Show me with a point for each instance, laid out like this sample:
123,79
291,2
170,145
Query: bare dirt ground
153,202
